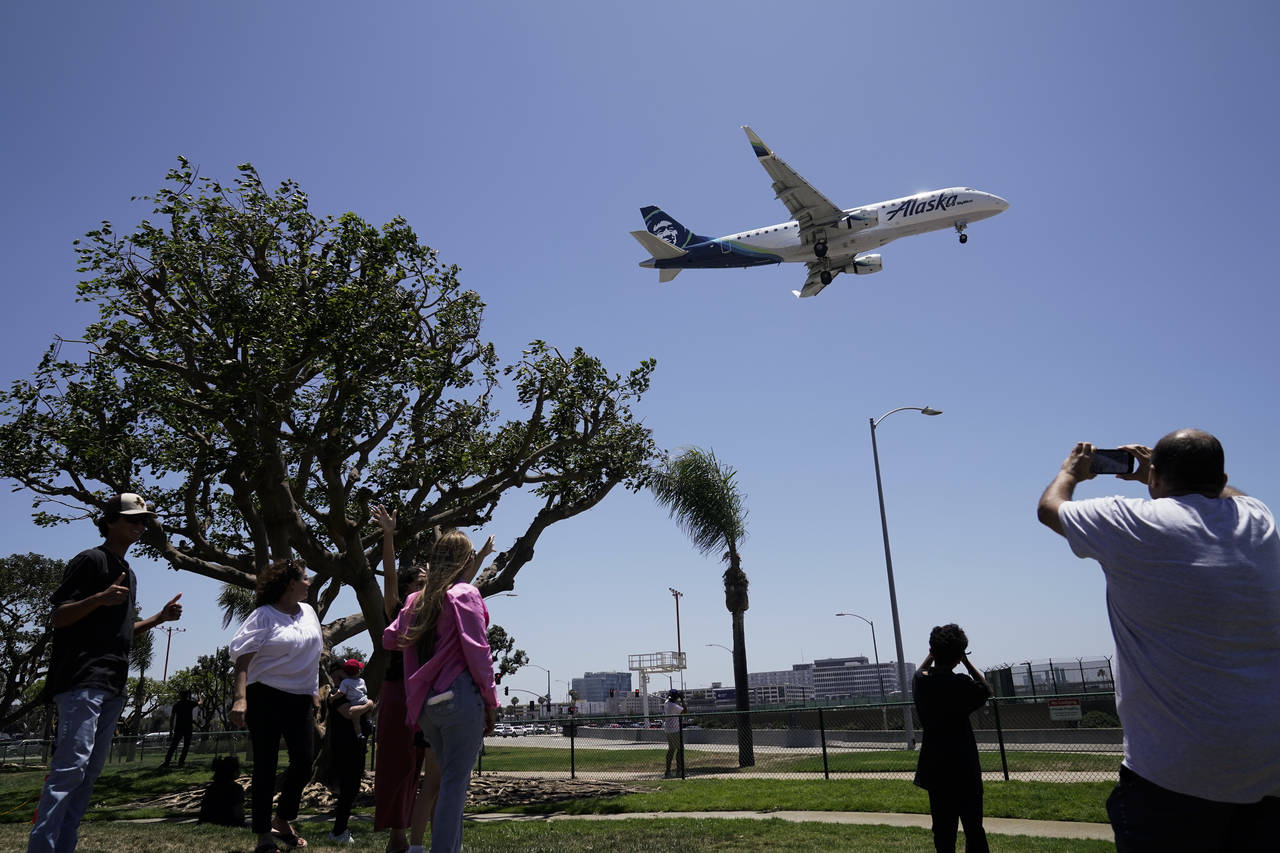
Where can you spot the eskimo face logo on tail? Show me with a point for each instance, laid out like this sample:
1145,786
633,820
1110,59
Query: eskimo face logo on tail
665,229
912,206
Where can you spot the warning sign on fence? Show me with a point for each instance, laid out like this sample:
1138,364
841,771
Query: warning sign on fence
1064,709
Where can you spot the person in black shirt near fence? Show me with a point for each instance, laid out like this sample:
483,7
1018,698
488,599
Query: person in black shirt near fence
948,767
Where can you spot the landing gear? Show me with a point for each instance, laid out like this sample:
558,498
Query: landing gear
820,248
825,276
964,238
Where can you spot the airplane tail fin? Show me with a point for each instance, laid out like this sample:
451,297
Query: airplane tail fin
666,228
666,275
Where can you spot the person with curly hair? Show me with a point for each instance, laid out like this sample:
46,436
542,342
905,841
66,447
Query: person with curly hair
448,676
277,691
948,766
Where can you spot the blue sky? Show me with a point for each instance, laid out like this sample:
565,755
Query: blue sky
1129,290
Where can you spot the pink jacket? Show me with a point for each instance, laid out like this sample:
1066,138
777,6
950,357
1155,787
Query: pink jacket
462,644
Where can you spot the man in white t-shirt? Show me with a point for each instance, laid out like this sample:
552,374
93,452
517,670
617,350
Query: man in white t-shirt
1193,596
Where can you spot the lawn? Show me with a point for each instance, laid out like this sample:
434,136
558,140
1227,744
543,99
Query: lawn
123,784
569,836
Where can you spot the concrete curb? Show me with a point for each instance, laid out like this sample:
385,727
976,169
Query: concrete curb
993,825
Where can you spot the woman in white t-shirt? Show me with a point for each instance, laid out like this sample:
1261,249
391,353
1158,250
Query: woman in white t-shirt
277,667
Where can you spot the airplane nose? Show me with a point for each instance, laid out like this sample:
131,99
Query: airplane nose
1001,203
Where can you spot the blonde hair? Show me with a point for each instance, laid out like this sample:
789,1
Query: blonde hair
450,558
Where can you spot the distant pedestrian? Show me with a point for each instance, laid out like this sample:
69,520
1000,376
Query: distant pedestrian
93,631
181,724
948,766
277,681
671,711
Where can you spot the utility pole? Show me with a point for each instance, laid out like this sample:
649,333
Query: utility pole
167,641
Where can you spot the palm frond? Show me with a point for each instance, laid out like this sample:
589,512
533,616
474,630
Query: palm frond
236,603
703,498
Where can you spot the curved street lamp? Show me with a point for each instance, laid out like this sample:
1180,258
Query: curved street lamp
879,674
908,724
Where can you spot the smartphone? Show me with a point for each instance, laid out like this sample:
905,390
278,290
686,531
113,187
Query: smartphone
1111,462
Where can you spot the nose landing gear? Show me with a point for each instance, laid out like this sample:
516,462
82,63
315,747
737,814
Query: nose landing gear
960,226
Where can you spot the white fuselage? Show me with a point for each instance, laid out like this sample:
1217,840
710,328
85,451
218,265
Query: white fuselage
899,217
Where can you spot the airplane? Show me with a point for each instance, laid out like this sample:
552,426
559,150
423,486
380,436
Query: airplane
820,235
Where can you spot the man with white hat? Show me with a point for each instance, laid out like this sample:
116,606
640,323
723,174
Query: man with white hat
93,630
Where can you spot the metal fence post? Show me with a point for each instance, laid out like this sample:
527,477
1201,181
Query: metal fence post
822,736
573,726
1004,761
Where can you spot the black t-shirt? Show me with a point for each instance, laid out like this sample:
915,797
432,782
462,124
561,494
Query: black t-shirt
183,710
93,652
948,753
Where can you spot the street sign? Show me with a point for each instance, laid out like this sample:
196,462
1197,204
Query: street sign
1064,709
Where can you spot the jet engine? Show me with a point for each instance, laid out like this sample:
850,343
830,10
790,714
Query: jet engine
865,265
860,219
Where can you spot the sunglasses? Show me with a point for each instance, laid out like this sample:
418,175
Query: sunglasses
133,519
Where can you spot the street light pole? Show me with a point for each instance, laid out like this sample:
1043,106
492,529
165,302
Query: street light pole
879,675
908,725
675,593
548,672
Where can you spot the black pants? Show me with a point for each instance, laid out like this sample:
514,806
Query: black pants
271,714
1147,817
185,737
949,806
348,767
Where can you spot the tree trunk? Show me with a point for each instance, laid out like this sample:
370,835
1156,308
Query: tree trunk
741,694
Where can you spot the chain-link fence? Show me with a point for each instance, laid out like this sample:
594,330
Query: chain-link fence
1057,738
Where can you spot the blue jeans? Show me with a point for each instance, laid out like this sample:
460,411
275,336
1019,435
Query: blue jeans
86,720
1150,819
455,730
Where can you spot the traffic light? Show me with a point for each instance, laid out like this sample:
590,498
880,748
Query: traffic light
610,692
506,691
637,693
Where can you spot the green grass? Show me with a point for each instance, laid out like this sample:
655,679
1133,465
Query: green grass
1077,801
570,836
121,784
645,760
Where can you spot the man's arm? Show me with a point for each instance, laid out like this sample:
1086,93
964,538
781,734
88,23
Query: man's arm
171,612
1075,468
71,612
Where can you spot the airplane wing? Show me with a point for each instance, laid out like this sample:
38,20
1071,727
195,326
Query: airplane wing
810,208
813,284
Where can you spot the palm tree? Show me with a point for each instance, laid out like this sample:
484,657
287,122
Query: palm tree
705,502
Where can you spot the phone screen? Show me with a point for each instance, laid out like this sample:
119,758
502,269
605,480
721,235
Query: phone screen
1111,462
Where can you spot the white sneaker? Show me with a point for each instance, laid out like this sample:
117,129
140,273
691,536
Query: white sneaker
344,838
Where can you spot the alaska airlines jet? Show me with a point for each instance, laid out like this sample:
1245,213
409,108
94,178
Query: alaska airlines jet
825,238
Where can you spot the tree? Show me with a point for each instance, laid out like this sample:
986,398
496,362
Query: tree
210,682
26,583
507,658
263,375
705,502
142,689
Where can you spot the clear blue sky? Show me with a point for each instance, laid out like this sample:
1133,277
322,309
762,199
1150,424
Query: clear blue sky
1129,290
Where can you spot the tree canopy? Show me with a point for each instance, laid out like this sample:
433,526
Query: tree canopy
26,583
263,375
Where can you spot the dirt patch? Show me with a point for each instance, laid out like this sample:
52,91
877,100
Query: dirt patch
491,790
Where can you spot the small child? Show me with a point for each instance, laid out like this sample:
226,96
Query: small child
223,801
357,693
